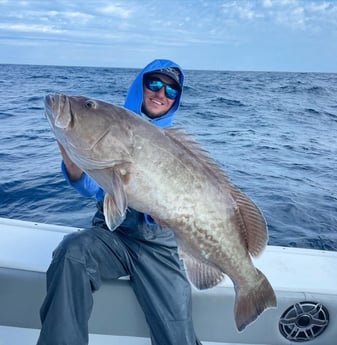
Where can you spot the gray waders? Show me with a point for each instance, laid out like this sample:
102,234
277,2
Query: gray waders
147,253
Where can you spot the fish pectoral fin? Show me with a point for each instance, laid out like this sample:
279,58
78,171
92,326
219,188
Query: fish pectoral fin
112,214
202,275
115,205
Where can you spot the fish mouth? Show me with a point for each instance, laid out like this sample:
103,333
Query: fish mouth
58,110
51,101
48,99
48,104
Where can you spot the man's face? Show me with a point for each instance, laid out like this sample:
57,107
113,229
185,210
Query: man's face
156,103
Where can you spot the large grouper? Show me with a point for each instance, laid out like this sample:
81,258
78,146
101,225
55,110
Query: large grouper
164,173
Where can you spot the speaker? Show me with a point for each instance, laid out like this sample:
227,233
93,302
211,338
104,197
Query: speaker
304,321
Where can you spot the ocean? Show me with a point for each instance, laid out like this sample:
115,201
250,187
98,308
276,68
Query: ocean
274,134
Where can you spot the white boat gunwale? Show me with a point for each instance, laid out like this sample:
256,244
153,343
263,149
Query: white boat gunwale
296,275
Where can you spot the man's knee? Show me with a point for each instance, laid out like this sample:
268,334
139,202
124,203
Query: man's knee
74,245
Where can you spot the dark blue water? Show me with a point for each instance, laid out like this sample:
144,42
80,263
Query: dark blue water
275,134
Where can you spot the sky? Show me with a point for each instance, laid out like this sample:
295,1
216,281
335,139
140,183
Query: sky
232,35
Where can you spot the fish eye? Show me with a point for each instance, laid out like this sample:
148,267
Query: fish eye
90,104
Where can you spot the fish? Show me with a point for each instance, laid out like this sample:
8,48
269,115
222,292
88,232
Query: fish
165,173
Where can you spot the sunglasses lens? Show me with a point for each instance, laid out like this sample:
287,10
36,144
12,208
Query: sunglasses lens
170,92
156,85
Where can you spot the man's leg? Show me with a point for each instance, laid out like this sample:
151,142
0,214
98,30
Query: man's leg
79,263
160,284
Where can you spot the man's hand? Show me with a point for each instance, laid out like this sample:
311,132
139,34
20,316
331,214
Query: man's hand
74,172
160,222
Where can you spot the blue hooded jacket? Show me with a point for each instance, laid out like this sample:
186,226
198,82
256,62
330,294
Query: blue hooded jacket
86,186
134,98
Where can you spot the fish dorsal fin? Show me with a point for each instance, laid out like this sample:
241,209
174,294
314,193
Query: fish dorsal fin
188,142
115,205
250,218
202,275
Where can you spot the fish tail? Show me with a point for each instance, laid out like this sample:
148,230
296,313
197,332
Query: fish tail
249,305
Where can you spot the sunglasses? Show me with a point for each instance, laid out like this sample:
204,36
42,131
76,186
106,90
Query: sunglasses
155,84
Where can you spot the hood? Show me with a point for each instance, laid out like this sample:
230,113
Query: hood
134,98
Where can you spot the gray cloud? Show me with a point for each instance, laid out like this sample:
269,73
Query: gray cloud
175,28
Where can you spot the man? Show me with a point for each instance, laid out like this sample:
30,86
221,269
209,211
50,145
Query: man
139,248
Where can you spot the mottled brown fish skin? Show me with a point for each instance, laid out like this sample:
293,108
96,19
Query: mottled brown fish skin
164,173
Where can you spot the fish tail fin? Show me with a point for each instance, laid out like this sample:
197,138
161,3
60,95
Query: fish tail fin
249,305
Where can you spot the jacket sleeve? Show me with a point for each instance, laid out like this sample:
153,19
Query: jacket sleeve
85,185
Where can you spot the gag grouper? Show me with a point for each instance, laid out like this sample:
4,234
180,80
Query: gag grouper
164,173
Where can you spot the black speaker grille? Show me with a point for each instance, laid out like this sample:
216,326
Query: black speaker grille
304,321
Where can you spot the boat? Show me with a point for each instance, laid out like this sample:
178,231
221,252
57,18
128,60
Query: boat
304,280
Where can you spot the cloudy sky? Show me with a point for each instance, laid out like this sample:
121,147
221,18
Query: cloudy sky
267,35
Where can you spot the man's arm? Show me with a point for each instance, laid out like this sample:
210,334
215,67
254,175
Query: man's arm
73,171
78,179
